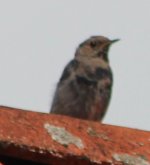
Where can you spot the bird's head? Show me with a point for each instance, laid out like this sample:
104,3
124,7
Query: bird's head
95,46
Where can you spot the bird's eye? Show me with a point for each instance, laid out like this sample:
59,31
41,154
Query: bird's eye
93,44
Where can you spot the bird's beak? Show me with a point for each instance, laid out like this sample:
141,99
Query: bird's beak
114,41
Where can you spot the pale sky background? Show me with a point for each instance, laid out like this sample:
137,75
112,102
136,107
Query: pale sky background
39,37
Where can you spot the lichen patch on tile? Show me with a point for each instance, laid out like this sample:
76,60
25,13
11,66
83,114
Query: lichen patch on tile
92,132
127,159
62,136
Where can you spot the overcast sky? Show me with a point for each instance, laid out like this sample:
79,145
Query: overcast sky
39,37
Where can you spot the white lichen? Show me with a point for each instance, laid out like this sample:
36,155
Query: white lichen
62,136
130,160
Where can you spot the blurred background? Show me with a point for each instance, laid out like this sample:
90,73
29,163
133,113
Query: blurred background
38,38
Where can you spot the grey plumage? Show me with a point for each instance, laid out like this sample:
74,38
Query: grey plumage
84,89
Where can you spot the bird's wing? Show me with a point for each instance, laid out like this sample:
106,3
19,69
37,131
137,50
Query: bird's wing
69,69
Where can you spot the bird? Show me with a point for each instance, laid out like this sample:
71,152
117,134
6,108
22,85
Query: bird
85,86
